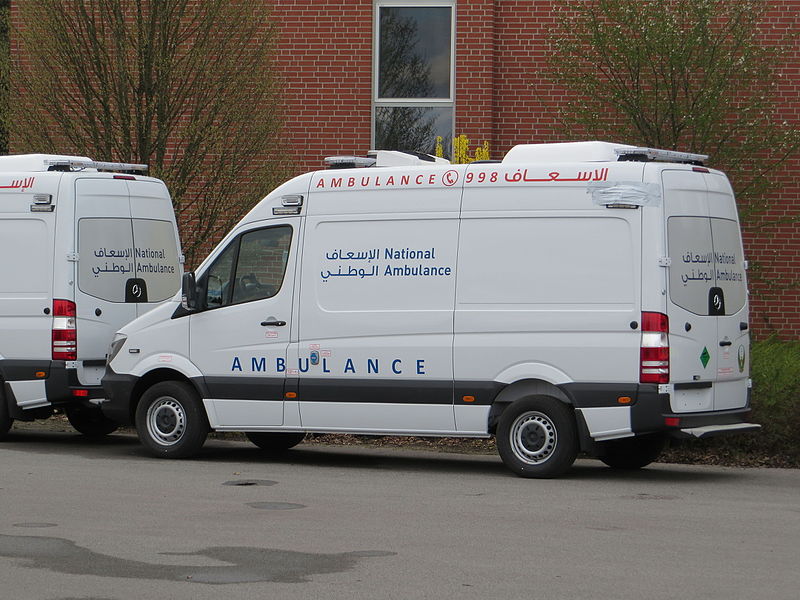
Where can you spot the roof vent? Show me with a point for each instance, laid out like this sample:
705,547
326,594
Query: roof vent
564,152
394,158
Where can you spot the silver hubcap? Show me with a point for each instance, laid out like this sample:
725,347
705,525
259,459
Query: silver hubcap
533,437
166,421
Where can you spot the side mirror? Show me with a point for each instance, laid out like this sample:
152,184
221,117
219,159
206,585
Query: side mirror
189,291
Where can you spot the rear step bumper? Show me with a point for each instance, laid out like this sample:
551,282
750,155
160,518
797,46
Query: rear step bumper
714,430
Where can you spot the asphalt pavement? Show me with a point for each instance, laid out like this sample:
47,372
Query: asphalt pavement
102,521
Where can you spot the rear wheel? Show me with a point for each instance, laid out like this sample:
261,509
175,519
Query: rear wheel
90,421
5,420
537,437
275,441
633,452
171,421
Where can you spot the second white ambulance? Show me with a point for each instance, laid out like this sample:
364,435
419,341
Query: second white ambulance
585,296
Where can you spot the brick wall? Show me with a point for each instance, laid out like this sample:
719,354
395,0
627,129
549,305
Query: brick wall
502,97
325,58
772,242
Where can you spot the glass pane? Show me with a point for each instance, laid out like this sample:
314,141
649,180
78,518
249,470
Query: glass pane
413,128
691,274
729,264
157,258
105,247
414,52
262,263
218,278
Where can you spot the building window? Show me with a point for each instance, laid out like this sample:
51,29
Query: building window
413,75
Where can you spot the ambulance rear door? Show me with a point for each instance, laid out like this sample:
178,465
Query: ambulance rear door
707,297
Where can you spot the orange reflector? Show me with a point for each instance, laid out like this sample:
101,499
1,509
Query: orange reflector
291,394
80,393
624,400
468,398
40,374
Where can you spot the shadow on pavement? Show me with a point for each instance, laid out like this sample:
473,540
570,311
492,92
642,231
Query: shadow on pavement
126,446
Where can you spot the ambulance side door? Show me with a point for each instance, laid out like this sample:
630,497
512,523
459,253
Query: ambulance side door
239,338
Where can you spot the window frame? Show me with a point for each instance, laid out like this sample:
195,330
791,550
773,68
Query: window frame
378,102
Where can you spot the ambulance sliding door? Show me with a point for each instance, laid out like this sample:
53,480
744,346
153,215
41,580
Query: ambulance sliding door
376,310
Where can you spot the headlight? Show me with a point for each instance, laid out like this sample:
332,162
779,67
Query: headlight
116,346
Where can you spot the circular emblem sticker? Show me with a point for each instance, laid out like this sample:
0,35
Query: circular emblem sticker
450,178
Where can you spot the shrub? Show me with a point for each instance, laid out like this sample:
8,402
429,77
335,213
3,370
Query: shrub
775,369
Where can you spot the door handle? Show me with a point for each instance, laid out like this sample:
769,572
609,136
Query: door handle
725,343
273,323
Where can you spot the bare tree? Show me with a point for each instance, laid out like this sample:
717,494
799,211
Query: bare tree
187,87
695,75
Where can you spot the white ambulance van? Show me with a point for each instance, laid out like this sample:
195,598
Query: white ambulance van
573,297
85,247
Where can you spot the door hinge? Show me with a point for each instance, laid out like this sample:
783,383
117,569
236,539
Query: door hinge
72,257
664,261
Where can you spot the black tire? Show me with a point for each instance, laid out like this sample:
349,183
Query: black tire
171,421
537,437
275,442
633,452
90,421
5,419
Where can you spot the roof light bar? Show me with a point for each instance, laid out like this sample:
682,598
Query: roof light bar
79,165
638,154
348,162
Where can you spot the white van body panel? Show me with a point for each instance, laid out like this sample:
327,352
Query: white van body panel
73,233
424,300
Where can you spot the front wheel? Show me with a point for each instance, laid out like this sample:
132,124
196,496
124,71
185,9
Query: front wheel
633,452
537,437
171,421
91,422
275,442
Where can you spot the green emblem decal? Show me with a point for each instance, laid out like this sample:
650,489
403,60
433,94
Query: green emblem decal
741,359
705,357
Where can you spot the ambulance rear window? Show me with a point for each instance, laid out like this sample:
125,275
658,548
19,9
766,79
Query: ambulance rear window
157,261
114,251
706,253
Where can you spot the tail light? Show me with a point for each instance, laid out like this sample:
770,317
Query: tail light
65,333
654,365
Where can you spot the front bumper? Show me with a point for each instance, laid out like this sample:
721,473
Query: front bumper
118,390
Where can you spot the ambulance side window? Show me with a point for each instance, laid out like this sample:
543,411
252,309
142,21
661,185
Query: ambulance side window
251,268
218,278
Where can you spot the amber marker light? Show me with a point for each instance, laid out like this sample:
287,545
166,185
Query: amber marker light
624,400
468,398
291,394
40,374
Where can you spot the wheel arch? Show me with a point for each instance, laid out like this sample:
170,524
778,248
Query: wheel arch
528,388
153,377
523,389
